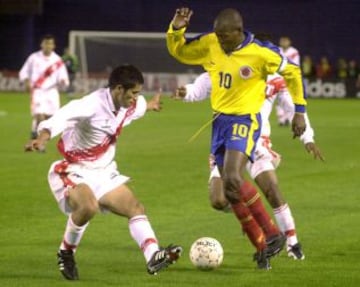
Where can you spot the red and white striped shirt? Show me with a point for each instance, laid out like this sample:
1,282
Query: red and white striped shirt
44,72
90,127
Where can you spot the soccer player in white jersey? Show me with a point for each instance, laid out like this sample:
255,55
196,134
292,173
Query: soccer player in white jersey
265,162
43,73
87,180
284,101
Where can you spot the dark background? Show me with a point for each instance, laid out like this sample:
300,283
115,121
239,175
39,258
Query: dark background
330,28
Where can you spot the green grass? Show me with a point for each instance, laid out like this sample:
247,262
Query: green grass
170,176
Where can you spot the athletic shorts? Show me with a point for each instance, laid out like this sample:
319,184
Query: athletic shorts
44,102
265,158
63,176
232,132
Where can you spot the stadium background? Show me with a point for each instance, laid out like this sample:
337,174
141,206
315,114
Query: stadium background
316,27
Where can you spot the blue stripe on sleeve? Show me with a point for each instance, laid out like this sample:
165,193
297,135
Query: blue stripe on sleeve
269,45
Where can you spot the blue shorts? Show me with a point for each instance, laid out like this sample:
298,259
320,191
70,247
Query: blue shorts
234,132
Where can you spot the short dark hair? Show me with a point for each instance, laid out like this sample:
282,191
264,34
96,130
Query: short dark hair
47,37
127,76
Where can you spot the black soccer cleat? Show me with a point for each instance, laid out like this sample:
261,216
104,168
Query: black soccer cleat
163,258
262,260
67,264
295,251
275,244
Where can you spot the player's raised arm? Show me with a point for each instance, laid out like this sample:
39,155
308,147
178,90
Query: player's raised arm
191,51
181,18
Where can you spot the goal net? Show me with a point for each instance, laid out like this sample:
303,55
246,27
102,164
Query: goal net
100,51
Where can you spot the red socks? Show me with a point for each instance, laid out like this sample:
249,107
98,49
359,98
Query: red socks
249,225
253,201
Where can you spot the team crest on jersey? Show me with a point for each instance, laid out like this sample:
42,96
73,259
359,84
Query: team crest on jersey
245,72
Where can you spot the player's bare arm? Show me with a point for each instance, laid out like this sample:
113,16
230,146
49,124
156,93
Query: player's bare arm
313,149
298,124
182,17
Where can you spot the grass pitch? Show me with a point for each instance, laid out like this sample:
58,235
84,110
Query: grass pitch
170,176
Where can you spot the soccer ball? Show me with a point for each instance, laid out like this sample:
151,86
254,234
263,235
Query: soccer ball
206,253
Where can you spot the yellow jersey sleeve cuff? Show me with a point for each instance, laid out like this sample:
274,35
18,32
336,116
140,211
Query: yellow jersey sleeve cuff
171,30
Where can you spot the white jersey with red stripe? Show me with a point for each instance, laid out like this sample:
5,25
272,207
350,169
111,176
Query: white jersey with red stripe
292,54
90,127
44,72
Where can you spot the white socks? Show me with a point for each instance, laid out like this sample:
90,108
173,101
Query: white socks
73,235
143,234
286,223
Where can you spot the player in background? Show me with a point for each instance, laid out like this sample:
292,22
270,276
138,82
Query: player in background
283,112
237,64
265,162
42,73
87,180
72,65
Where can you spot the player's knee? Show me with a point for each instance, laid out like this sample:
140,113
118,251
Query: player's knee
232,183
216,194
218,202
88,209
137,208
83,202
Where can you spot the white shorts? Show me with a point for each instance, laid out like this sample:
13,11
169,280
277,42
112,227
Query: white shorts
45,102
265,158
62,176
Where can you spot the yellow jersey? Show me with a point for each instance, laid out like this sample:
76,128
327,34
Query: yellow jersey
238,79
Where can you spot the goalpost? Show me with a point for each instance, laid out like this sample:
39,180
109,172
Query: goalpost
100,51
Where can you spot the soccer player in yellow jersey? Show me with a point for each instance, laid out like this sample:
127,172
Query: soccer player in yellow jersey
238,66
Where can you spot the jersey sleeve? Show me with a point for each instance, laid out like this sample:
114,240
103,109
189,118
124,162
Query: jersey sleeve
277,63
188,51
140,110
74,110
25,70
295,85
199,90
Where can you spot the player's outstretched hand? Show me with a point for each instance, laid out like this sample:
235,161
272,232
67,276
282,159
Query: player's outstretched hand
40,142
298,124
35,145
313,149
154,104
180,93
181,18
